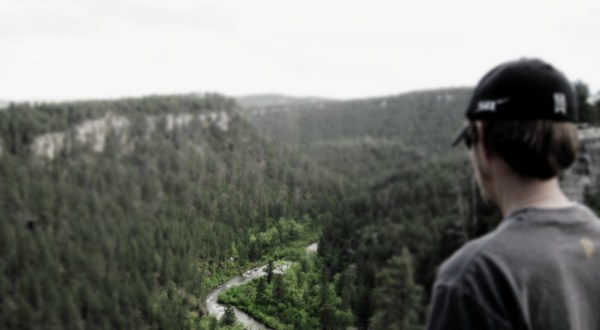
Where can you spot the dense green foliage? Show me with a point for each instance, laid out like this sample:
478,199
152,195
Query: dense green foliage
302,298
397,295
409,223
229,316
135,235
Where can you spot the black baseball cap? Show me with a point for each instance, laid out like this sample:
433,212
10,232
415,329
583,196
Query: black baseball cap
522,89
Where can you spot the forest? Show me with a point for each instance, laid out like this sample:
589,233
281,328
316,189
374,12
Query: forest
134,237
127,213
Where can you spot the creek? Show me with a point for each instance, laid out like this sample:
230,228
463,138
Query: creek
250,323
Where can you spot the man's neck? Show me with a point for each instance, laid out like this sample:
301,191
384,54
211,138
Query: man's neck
514,194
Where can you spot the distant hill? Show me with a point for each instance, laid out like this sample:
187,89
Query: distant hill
425,117
269,100
367,138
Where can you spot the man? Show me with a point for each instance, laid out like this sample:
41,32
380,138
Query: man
540,269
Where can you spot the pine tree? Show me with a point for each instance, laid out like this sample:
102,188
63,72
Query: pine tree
397,297
279,289
270,271
327,308
213,323
229,316
260,291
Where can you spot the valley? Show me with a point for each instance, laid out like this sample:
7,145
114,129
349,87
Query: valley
139,213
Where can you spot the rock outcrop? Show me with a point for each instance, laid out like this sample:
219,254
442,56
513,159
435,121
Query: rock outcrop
584,176
95,133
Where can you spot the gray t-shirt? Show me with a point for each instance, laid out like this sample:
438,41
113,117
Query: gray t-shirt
539,270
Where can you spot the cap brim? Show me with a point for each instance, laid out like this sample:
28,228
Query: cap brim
460,136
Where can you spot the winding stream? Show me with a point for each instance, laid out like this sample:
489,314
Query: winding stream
218,310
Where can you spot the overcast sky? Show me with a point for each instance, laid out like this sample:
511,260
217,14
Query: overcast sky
59,49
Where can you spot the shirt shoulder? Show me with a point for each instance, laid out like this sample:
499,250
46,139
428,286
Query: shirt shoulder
455,270
518,240
462,297
475,284
497,276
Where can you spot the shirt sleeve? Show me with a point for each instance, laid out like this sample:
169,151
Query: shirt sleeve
452,308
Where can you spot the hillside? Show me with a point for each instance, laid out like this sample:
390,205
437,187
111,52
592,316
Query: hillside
416,117
123,214
276,100
367,139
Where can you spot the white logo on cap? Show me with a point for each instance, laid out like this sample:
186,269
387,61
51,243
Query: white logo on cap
502,101
560,103
486,106
490,105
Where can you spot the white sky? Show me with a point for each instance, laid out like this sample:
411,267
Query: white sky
60,49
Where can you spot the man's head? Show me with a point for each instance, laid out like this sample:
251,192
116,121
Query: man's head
523,113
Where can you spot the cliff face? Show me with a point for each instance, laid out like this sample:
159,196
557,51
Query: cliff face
584,176
94,133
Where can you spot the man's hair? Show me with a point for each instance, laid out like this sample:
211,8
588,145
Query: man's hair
539,148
